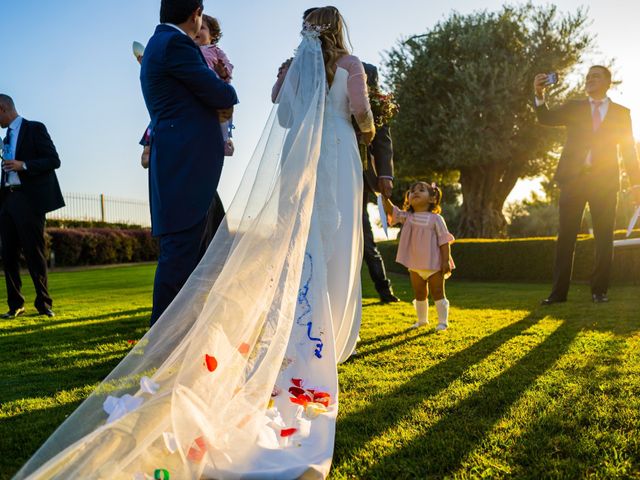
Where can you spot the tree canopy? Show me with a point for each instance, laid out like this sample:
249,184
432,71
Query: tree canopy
465,94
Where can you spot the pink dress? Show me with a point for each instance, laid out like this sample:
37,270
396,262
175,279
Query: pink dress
422,235
214,54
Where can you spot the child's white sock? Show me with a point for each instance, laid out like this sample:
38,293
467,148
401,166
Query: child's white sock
422,309
442,307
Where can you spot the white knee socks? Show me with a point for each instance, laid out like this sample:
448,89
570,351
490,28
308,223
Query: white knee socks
422,309
442,307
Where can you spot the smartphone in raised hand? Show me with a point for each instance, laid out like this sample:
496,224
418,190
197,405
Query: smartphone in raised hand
552,78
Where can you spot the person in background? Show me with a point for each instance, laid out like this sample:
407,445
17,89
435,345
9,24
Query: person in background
28,190
588,172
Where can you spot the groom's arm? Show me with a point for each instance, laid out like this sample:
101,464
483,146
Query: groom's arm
186,64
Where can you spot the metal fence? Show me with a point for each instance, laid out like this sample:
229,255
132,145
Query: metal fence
102,208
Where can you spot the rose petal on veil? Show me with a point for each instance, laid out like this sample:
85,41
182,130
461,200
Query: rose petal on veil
211,362
287,432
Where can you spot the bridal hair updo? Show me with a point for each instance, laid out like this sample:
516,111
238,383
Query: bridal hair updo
333,36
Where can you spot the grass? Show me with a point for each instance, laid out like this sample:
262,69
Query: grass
512,390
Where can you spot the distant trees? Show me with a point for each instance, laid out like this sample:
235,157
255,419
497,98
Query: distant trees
465,90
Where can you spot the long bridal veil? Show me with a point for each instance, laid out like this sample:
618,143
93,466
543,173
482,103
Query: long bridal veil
237,378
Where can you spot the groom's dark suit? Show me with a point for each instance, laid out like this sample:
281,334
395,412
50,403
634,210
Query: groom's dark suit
380,164
183,97
588,172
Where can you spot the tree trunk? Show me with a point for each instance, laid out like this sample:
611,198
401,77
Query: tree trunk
484,191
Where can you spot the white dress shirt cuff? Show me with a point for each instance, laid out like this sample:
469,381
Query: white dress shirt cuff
539,101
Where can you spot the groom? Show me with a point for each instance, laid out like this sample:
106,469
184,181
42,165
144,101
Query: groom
186,102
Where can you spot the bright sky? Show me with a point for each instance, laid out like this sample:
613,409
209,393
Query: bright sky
69,64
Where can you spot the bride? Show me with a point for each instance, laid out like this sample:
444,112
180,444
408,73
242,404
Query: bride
238,377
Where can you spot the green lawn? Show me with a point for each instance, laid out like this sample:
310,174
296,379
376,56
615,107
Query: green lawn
511,390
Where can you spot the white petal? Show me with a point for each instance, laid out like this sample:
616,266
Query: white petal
170,441
148,386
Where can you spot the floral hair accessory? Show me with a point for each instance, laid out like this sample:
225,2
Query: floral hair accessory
433,185
314,31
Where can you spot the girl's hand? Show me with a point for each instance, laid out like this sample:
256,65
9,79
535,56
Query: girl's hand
445,267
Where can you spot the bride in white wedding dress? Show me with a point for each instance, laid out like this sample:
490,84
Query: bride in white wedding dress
238,378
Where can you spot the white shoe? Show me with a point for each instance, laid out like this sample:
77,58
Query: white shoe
417,325
441,327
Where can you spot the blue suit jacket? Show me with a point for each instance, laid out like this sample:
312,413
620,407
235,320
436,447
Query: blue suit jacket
187,152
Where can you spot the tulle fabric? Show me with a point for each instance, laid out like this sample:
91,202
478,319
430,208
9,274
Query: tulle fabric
208,392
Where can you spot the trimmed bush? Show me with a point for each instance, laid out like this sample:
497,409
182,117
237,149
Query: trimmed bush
100,246
525,259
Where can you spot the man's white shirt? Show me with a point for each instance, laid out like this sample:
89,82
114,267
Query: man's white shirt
604,109
12,178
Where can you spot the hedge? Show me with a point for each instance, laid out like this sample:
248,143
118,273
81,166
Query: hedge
99,246
525,259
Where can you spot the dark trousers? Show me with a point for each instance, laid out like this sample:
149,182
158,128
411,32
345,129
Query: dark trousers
22,229
180,253
602,204
372,256
215,216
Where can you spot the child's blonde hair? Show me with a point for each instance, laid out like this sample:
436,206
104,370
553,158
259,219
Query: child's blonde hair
434,192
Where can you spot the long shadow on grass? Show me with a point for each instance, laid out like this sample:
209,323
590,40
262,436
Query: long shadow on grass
37,364
47,324
440,450
22,435
391,408
586,432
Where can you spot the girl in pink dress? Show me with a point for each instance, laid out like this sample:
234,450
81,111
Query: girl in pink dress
424,248
208,38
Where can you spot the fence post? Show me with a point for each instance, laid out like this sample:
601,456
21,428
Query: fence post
102,215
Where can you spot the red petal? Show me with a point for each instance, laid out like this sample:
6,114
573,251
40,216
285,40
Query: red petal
295,391
244,348
211,362
196,454
287,432
297,382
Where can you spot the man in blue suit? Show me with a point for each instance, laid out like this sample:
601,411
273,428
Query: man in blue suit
186,102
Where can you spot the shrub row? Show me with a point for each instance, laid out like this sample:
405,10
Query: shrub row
527,259
99,246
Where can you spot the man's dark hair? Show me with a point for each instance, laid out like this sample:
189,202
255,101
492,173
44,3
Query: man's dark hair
607,72
308,11
178,11
7,101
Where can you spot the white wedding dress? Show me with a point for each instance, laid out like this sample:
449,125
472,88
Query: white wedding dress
238,378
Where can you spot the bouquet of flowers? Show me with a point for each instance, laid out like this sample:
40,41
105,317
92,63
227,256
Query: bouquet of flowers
383,108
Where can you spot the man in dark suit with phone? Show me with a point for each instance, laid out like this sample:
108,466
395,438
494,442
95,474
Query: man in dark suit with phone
28,190
186,102
588,172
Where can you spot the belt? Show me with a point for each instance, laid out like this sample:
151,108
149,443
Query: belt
12,188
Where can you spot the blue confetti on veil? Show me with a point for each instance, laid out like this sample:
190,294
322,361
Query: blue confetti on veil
303,302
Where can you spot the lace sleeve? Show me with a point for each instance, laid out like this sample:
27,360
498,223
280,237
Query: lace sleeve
358,92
